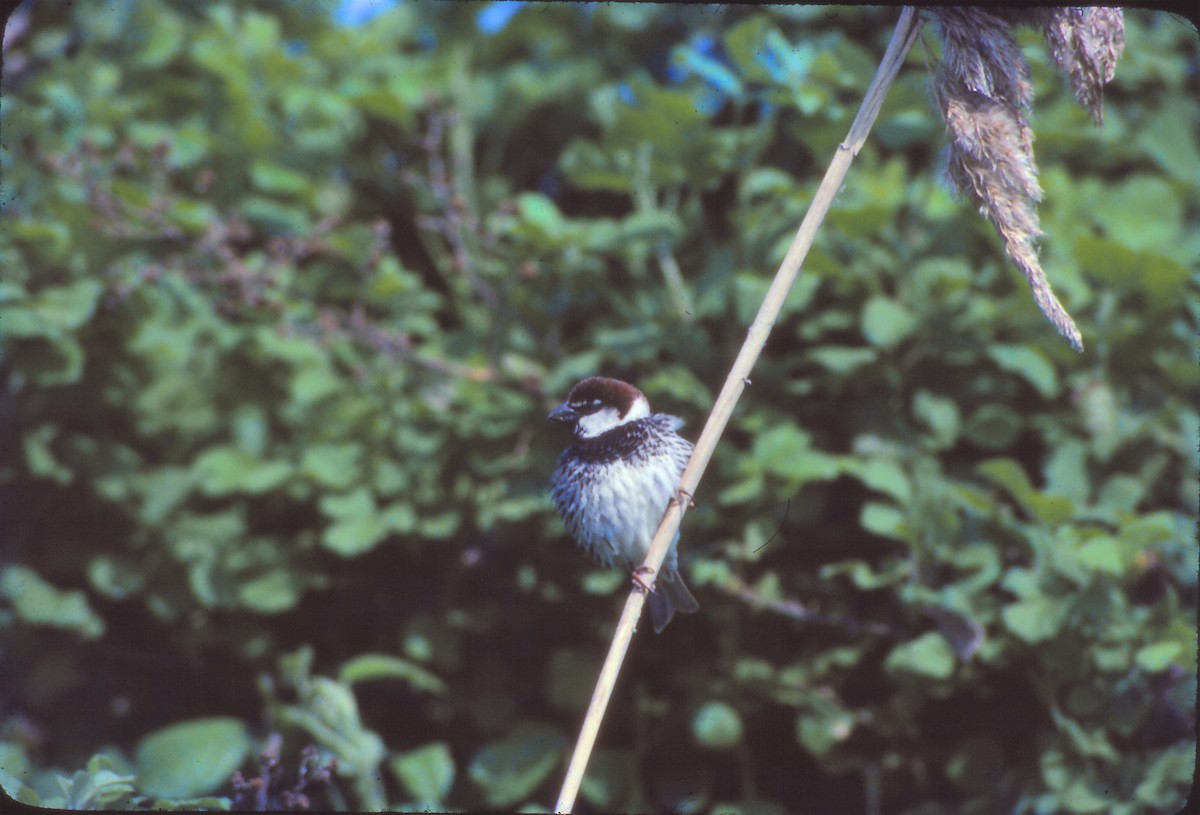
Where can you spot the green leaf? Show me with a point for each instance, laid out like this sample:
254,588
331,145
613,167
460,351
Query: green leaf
273,178
1056,774
717,725
540,212
1122,492
164,41
1008,473
171,486
1142,211
393,101
822,729
37,602
225,469
510,769
884,475
97,789
441,525
885,520
928,655
191,758
1091,742
1117,266
1036,619
1168,137
336,466
656,116
330,714
885,322
841,360
40,457
1111,660
796,58
590,167
275,218
1029,363
993,426
784,450
352,504
1158,656
368,667
1085,796
427,773
743,491
710,70
16,788
48,236
315,382
940,415
248,426
1066,471
399,517
1103,554
641,227
53,363
602,581
272,593
355,534
116,578
57,309
744,44
863,575
1166,779
1021,582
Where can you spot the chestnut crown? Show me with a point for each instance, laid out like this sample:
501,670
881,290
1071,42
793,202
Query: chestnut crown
598,404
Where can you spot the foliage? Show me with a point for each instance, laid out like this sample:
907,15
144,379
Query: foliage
284,304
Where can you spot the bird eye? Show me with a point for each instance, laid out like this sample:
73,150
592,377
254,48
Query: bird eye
590,406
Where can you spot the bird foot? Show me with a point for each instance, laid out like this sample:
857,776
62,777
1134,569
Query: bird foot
683,496
636,577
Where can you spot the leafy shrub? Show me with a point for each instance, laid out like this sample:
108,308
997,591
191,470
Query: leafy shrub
284,304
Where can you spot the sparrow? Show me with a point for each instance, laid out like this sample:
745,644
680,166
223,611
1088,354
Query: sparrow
613,483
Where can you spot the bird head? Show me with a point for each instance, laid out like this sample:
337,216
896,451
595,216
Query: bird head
598,404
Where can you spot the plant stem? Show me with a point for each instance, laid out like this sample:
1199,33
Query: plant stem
902,40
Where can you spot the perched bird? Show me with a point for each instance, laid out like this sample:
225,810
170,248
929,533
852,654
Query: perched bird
613,483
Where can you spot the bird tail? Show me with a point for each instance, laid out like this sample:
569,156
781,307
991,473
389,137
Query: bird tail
670,595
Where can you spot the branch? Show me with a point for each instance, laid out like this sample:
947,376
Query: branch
737,588
902,40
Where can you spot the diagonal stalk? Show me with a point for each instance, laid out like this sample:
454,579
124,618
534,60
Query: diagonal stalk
902,40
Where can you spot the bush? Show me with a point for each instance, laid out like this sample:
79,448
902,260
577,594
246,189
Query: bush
286,299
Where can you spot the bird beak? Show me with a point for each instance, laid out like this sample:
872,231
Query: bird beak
563,413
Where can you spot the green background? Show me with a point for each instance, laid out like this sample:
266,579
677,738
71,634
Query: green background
283,306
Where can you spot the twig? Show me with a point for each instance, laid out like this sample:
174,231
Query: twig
644,200
794,609
778,529
902,40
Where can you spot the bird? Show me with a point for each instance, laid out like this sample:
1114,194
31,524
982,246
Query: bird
613,483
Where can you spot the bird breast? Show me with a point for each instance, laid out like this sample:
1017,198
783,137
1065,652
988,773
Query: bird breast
612,504
613,509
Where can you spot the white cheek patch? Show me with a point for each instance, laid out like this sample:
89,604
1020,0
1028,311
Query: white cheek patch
640,409
599,422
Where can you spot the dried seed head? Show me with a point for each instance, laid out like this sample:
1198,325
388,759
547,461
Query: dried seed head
983,90
1086,43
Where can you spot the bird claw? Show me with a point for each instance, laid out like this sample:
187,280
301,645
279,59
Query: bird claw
636,577
682,494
